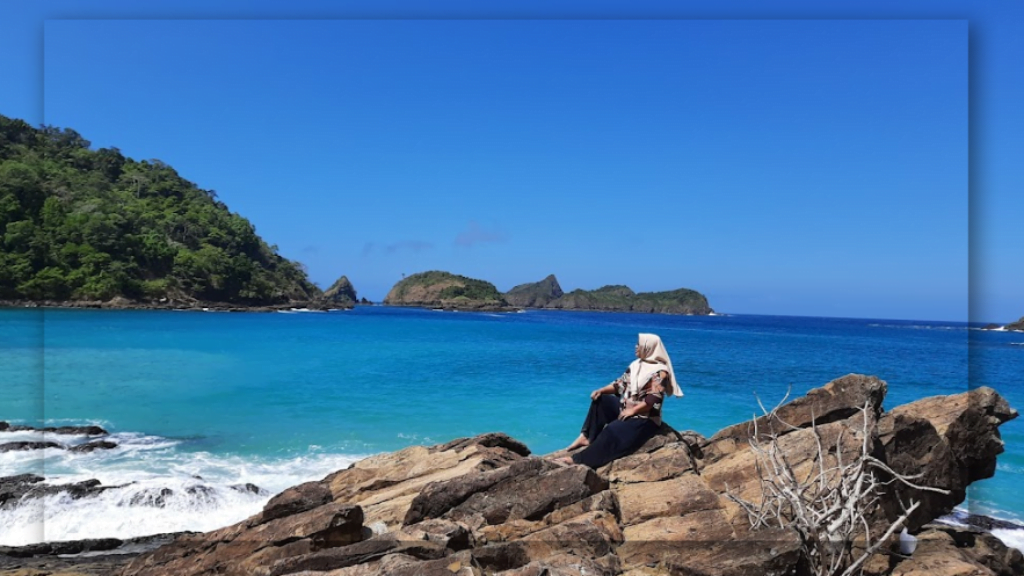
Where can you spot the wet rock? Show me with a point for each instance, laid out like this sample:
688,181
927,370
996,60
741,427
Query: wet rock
40,445
91,446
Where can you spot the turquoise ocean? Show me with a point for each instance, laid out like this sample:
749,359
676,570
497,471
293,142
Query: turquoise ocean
201,404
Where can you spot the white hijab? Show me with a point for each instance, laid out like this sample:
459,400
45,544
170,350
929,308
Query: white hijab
653,358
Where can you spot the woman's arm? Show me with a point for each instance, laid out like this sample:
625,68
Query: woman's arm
609,389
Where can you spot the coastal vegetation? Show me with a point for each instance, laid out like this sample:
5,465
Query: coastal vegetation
445,290
614,298
78,224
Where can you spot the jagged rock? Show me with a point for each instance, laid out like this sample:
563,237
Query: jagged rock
536,294
837,400
341,294
296,499
484,506
950,441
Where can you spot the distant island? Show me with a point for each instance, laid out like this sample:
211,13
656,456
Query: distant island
1018,325
616,298
437,289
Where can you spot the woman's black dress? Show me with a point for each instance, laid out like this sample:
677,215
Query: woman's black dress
609,437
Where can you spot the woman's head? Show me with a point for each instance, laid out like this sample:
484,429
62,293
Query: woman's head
648,346
651,350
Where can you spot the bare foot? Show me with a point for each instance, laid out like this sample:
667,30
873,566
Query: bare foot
578,443
564,461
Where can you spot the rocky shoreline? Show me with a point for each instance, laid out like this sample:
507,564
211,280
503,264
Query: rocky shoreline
486,506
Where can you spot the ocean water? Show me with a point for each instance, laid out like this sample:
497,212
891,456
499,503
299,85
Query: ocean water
200,404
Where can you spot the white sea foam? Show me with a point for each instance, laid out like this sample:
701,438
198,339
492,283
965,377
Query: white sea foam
155,487
920,327
1012,538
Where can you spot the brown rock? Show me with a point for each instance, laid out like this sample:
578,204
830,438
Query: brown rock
296,499
949,442
531,497
837,400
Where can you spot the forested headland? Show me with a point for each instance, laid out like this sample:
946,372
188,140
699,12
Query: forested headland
78,224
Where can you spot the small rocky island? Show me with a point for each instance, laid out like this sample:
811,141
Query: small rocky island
447,291
485,506
1018,325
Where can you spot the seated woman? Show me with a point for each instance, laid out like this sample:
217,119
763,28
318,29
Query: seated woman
618,425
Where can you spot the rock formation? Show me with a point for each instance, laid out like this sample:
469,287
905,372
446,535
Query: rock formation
536,294
485,506
1018,325
437,289
341,294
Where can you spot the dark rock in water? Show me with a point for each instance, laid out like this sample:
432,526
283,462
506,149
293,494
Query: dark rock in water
85,430
1018,325
67,547
991,327
12,488
90,446
12,446
154,498
82,430
92,557
248,487
364,302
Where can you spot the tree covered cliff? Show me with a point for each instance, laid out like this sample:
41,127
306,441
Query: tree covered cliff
83,224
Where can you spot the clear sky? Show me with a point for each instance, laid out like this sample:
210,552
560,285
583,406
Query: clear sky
808,167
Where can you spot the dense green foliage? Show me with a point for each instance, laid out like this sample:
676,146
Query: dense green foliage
619,298
84,224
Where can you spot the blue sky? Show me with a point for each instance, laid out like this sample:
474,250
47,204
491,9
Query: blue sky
807,167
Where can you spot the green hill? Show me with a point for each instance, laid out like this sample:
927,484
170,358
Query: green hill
81,224
436,289
618,298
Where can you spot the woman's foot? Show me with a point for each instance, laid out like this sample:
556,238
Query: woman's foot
578,443
564,461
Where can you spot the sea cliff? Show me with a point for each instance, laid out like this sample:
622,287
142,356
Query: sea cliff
486,506
614,298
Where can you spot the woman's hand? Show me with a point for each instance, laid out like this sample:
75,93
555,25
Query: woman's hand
596,394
